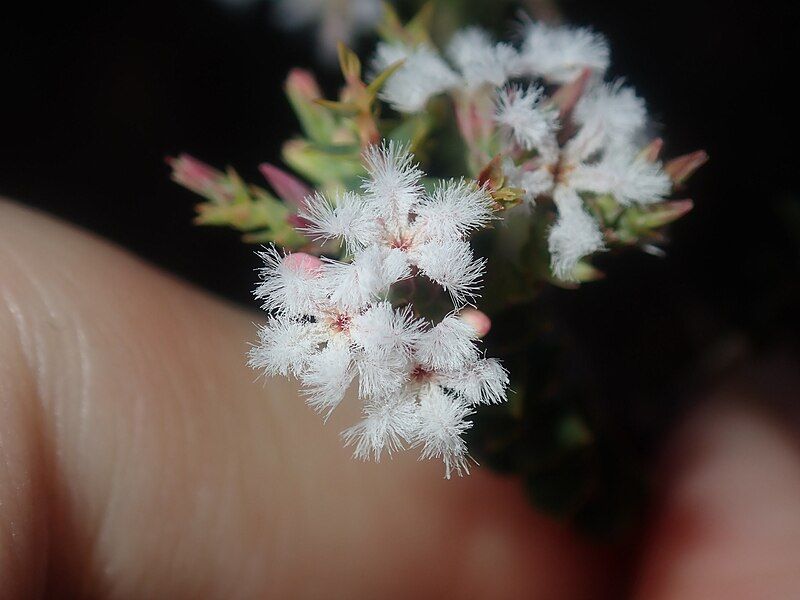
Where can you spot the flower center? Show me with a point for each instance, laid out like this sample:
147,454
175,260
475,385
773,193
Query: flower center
420,374
340,322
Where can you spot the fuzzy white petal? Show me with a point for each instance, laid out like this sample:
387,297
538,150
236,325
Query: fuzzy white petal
484,381
381,374
284,347
448,346
383,328
454,210
442,422
609,115
346,219
386,427
479,59
535,183
631,179
285,286
366,279
451,264
393,187
533,127
327,378
559,54
574,235
423,75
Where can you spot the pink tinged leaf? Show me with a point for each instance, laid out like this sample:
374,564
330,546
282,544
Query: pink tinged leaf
477,320
567,96
290,189
651,152
665,213
681,168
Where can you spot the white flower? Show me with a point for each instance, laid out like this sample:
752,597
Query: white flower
331,322
574,235
395,226
519,110
560,54
479,60
324,354
601,158
423,75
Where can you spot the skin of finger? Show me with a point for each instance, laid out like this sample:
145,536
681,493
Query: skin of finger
143,460
729,522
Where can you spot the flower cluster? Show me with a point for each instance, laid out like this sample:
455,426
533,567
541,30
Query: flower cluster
582,146
334,322
555,158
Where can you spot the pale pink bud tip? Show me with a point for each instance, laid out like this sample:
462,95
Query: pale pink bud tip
300,261
303,83
193,173
477,320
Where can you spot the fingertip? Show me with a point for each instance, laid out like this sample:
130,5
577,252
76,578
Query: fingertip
510,550
728,524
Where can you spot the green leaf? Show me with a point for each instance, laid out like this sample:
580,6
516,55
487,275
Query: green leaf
349,63
316,121
345,109
321,165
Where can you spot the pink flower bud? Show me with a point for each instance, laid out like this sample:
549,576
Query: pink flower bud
679,169
298,222
477,320
300,261
652,150
290,189
199,177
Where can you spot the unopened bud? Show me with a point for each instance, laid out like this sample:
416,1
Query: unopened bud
200,178
289,189
652,150
477,320
302,84
681,168
300,261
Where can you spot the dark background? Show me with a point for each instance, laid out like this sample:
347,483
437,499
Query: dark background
96,96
